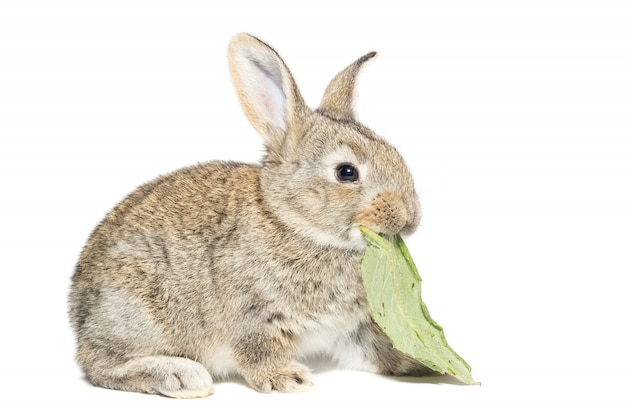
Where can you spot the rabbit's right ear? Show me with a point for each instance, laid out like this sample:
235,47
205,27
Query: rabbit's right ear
266,90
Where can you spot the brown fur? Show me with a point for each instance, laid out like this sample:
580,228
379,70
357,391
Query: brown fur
235,268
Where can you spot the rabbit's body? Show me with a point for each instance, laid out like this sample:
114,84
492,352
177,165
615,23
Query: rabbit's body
234,268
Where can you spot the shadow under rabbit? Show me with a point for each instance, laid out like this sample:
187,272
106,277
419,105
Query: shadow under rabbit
437,379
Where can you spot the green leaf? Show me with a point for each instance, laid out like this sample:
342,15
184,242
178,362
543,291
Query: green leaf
394,294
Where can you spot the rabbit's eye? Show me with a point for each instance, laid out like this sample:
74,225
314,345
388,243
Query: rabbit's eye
347,173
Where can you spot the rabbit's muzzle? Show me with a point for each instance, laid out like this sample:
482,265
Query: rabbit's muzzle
390,213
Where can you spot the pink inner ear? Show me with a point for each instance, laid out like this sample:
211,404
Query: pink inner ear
272,101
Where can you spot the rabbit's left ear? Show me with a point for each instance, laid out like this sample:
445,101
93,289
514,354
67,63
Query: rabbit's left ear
266,89
338,99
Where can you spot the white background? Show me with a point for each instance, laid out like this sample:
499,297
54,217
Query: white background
511,115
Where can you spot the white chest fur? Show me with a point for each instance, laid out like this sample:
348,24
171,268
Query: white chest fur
333,337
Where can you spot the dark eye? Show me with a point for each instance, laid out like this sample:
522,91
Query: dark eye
347,173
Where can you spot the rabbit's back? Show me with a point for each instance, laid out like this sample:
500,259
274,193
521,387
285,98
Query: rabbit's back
145,271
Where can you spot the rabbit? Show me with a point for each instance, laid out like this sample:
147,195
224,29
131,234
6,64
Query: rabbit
227,268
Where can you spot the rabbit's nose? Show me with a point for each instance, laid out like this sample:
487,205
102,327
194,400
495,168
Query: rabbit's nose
390,214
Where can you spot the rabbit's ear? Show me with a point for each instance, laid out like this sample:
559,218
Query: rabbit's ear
338,99
266,90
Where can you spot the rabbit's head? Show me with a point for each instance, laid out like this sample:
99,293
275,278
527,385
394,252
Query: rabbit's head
324,174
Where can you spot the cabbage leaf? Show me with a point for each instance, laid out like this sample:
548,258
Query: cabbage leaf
394,294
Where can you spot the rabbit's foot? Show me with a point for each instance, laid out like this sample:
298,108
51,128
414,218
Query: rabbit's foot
293,378
170,376
184,378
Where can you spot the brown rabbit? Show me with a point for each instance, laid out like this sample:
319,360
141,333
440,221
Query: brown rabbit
228,268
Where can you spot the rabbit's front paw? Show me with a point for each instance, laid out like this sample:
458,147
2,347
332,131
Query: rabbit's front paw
293,378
